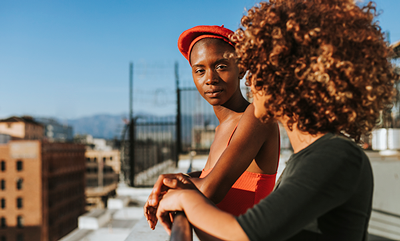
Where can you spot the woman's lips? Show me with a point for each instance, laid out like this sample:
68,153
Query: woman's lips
213,93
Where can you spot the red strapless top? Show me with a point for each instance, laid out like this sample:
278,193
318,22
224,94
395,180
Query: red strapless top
247,191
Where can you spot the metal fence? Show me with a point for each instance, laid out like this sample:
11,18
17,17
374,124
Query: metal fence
154,149
198,120
158,141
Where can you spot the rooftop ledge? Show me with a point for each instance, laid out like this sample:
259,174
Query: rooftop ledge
141,231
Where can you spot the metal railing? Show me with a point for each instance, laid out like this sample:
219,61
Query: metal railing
181,228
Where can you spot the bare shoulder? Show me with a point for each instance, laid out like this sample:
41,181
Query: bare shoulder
259,140
255,126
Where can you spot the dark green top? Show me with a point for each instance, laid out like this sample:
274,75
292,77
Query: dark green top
325,194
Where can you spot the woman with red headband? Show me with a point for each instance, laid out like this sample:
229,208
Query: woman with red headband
242,163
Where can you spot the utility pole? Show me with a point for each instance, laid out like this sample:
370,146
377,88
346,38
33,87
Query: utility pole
131,129
178,116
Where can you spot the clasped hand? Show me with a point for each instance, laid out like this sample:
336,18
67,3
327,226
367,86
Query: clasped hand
164,183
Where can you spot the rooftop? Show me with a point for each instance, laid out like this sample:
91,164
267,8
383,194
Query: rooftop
128,222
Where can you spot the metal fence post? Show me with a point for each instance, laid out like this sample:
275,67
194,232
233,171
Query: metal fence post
178,116
131,129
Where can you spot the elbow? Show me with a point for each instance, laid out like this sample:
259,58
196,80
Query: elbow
214,194
217,198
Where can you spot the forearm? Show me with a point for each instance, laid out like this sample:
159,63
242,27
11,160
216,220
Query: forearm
207,218
195,174
211,191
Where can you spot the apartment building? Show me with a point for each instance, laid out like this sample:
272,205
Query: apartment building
42,189
102,173
22,128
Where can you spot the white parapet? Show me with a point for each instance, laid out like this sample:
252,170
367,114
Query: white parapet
386,139
118,202
385,217
94,219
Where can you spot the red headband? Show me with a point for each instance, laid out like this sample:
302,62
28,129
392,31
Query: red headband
191,36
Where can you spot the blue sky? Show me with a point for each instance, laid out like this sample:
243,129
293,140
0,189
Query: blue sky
70,59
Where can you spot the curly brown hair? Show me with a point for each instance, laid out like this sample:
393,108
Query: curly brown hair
323,62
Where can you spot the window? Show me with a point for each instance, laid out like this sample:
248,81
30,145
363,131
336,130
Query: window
3,223
19,203
3,203
20,222
3,238
110,158
3,166
20,237
20,181
3,184
104,159
87,159
19,165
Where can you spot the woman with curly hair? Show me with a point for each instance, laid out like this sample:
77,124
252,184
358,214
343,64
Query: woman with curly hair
320,68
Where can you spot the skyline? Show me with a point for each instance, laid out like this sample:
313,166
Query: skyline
70,59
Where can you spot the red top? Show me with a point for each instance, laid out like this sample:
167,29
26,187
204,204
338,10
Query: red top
247,191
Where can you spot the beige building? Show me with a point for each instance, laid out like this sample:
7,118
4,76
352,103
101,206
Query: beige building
103,166
22,128
110,158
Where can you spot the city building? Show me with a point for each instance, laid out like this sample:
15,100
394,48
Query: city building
103,167
4,138
42,189
55,131
102,170
21,128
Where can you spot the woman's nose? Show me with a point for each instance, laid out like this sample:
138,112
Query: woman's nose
212,78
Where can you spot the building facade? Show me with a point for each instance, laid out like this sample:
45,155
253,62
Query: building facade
21,128
41,189
102,175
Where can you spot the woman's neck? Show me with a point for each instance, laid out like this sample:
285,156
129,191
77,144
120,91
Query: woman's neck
299,139
231,109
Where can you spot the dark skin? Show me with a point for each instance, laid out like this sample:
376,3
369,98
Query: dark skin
254,147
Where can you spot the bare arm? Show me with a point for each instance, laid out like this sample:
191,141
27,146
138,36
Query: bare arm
213,223
194,174
252,140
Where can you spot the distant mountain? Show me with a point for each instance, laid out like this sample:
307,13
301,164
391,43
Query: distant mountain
107,126
100,126
110,126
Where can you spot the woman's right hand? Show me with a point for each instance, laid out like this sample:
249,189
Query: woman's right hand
163,184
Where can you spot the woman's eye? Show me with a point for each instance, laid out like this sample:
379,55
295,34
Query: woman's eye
221,66
199,71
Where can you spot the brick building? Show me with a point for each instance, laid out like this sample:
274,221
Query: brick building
22,128
42,189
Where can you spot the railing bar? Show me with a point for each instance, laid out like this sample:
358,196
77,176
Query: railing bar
181,228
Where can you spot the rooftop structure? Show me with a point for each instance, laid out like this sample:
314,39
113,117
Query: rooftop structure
21,128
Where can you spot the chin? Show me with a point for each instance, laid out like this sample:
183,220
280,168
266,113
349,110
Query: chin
215,102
